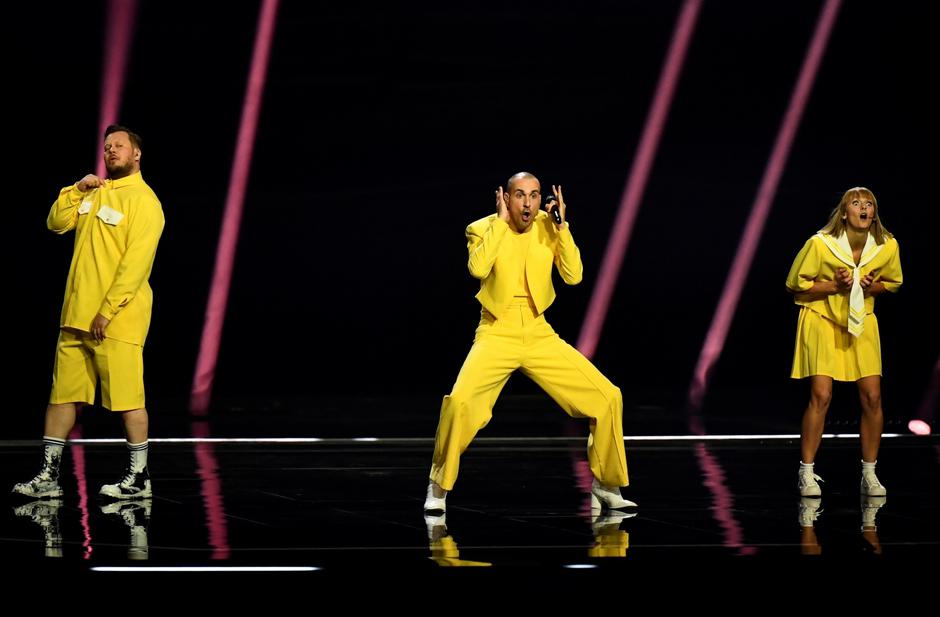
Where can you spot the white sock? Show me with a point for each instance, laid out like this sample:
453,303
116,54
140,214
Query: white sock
52,455
138,453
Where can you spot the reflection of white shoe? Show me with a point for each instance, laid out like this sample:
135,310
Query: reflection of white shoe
432,503
610,497
437,526
870,506
609,521
136,515
809,511
45,513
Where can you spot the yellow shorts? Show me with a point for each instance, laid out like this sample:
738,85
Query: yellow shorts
80,361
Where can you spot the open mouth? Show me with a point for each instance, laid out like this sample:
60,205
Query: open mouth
526,215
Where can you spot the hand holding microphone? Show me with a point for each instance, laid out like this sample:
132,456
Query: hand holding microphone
555,205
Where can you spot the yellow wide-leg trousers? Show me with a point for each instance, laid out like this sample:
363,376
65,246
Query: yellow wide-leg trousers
522,340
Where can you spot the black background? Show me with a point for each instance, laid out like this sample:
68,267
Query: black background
384,131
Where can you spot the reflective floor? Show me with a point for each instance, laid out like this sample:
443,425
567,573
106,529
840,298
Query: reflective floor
340,507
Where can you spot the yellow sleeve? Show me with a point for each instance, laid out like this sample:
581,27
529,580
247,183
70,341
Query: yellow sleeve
63,216
484,248
890,274
568,258
143,234
805,267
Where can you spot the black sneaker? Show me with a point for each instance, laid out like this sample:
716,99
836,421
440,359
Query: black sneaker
134,485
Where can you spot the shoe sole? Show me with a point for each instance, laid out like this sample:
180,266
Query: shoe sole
43,495
597,504
118,495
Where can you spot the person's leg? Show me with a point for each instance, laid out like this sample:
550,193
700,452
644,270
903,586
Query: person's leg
869,392
872,422
814,420
582,391
121,368
73,385
469,406
814,417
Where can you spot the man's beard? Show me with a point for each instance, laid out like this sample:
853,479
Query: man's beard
119,171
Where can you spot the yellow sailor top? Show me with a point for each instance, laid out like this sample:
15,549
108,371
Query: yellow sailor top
823,255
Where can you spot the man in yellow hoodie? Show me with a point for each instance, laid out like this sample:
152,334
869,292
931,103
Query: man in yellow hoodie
512,253
106,313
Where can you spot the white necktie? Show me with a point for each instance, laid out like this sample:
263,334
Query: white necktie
840,248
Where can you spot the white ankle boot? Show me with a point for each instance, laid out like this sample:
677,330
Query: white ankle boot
610,497
434,503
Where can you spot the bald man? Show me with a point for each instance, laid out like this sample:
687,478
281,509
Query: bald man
512,253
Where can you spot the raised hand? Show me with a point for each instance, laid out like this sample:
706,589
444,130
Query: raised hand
91,181
502,204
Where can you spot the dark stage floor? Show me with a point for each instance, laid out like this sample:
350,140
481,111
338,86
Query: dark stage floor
342,506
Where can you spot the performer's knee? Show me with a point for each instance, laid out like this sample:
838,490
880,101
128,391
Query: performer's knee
464,409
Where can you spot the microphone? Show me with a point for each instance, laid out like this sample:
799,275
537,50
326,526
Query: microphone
555,213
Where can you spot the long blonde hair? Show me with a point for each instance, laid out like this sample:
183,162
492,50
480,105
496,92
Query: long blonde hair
836,225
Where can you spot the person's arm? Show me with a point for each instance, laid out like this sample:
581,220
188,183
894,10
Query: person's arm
484,248
888,278
143,234
821,289
803,280
63,216
567,256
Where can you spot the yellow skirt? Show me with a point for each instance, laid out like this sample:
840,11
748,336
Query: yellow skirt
826,348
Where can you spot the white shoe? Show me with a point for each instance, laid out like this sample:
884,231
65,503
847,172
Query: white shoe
610,497
40,487
134,485
808,483
434,503
871,486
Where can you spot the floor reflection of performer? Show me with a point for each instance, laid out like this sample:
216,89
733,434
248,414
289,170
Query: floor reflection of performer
810,509
135,514
609,539
871,504
45,513
444,551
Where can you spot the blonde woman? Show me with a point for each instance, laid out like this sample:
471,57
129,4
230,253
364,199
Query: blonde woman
834,279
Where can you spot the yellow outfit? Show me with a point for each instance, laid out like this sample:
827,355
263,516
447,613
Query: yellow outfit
515,289
80,360
824,345
117,228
